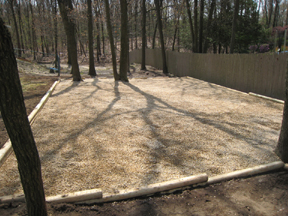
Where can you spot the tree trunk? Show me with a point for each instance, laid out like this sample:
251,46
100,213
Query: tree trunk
14,115
234,26
201,26
55,34
16,28
270,12
282,146
98,35
190,22
154,36
103,37
20,26
109,29
276,13
92,71
34,39
213,4
143,63
124,41
136,33
159,21
196,26
65,7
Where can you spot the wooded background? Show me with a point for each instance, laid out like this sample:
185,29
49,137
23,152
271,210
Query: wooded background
197,26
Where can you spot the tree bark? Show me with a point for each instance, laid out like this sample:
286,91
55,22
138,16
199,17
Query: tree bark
159,21
14,115
55,34
209,21
34,37
196,26
282,146
16,27
143,63
136,33
201,26
98,34
190,22
92,71
124,41
66,7
234,26
154,36
111,39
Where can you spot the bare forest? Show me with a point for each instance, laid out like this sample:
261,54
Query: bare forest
215,26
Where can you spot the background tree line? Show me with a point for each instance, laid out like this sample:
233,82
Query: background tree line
200,25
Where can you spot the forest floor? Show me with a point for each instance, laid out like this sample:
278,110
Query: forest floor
259,195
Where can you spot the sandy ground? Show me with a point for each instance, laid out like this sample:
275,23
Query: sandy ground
117,136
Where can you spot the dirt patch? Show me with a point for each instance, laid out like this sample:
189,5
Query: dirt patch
118,136
34,87
128,135
263,195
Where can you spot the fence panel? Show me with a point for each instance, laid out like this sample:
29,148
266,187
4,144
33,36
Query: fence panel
259,73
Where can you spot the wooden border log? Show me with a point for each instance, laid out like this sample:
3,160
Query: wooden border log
42,102
6,150
76,196
266,97
12,198
152,189
67,198
246,172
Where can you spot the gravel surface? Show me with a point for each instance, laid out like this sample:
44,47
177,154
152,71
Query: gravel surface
117,136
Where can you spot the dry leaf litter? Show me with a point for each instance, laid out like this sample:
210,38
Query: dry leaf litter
117,136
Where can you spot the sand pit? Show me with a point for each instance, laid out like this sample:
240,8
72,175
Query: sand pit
118,136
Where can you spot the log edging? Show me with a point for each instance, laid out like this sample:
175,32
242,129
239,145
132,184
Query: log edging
6,150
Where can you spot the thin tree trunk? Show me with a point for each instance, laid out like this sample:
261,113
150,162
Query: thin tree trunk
98,35
234,26
213,4
124,42
143,63
92,71
201,26
109,29
282,146
136,33
56,34
270,12
16,27
196,26
154,36
190,23
14,115
20,26
34,39
103,38
165,69
65,6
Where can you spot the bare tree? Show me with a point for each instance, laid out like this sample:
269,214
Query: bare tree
15,26
111,39
190,22
124,41
234,26
66,9
143,67
14,115
92,71
159,21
